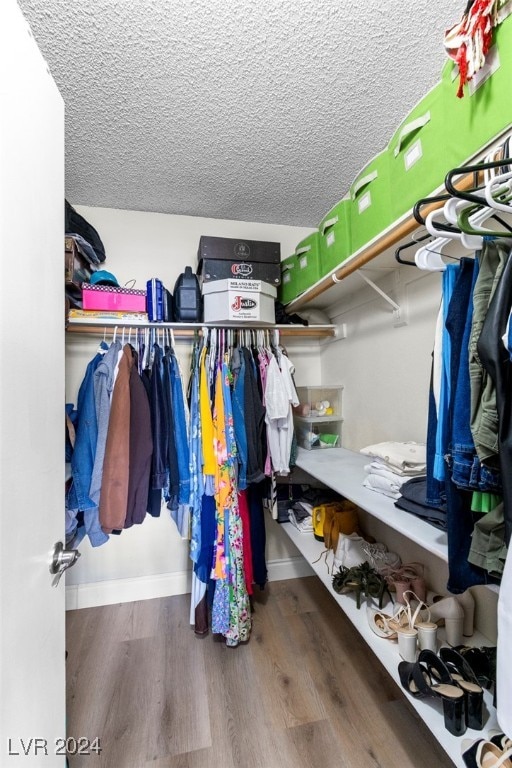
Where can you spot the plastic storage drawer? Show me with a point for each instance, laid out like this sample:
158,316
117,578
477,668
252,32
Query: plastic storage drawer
370,203
334,237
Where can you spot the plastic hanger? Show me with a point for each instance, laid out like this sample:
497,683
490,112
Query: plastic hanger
410,244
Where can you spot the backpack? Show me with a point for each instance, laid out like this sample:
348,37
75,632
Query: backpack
76,224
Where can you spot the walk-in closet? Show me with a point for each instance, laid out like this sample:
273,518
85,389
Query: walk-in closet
277,538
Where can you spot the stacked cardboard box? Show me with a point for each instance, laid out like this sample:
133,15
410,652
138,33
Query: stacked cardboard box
238,279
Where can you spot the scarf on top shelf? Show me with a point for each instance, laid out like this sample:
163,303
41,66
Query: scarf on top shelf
207,451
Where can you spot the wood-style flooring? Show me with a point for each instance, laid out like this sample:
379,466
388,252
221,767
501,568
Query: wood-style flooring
304,692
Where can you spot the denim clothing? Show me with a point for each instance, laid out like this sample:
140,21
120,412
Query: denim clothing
496,360
172,485
466,468
484,415
103,387
238,400
460,522
159,416
434,489
179,412
442,434
82,460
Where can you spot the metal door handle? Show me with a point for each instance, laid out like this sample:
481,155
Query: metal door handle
62,559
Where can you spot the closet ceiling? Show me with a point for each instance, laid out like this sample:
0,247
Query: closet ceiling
261,110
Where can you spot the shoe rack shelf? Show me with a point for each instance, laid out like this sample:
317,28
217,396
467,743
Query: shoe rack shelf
342,470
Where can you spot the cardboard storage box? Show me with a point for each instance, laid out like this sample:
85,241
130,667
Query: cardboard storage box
113,298
334,237
239,301
224,269
234,249
370,202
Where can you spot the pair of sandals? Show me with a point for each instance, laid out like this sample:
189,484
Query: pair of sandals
363,580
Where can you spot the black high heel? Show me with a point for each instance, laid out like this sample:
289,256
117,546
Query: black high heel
465,678
429,677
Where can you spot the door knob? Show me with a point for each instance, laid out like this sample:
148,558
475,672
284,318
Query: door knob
62,559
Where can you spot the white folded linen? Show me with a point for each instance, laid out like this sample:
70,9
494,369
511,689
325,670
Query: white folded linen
381,468
408,458
382,485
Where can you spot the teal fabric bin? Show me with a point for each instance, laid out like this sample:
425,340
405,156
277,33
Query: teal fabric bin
370,205
334,237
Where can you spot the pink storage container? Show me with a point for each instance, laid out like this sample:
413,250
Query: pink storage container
112,298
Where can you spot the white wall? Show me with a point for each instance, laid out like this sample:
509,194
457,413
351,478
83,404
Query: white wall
151,560
385,370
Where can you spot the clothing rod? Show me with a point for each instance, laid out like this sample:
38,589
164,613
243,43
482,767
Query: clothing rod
187,330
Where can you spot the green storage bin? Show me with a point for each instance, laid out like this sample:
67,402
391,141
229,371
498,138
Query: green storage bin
370,205
288,290
307,255
334,237
484,112
419,153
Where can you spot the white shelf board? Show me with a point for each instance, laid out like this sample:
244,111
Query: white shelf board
430,710
317,419
343,471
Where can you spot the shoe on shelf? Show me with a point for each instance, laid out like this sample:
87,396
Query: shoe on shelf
466,679
428,676
353,549
380,557
361,579
409,577
349,551
500,739
449,612
485,754
406,618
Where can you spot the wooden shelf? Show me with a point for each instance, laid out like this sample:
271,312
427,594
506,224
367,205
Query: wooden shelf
378,255
188,330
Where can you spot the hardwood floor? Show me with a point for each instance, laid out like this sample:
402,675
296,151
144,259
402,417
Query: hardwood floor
304,692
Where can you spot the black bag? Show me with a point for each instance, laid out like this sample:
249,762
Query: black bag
76,224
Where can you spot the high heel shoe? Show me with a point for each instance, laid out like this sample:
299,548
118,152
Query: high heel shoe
450,612
428,676
485,754
467,601
408,578
466,679
361,579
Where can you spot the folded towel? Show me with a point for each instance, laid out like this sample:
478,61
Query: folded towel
381,485
380,468
405,458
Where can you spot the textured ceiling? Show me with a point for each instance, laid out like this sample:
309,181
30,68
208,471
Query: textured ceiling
256,111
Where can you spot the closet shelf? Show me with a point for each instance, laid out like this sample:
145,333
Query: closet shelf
343,471
187,330
429,710
381,251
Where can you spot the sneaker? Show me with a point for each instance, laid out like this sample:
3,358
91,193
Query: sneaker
349,552
379,557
